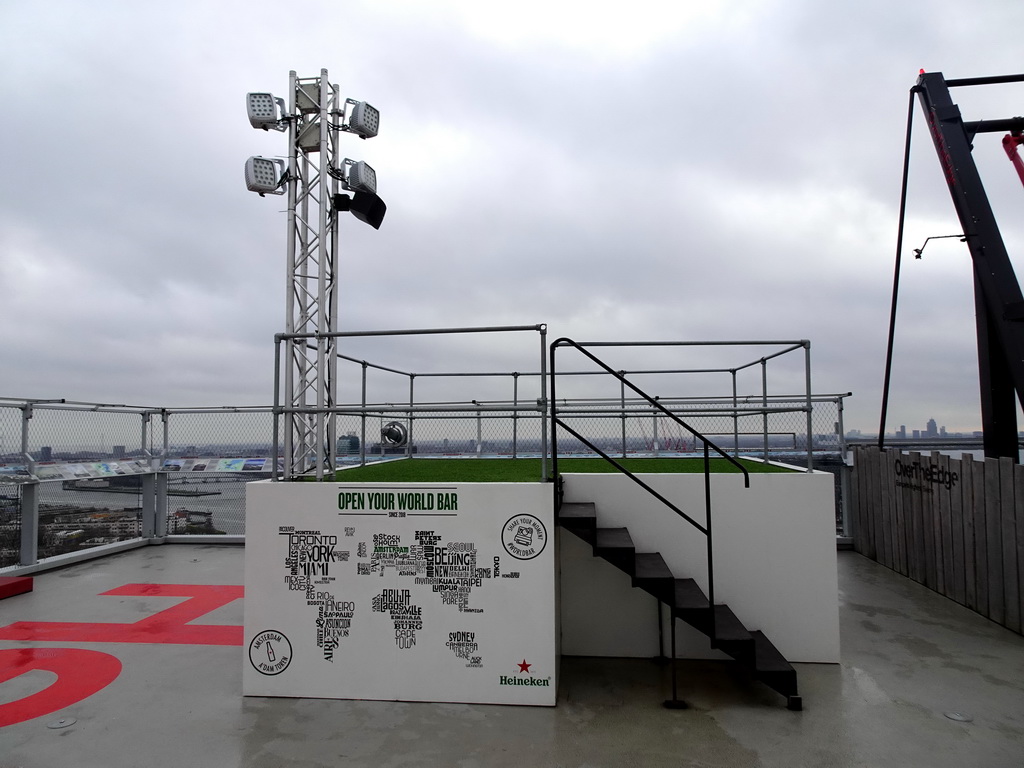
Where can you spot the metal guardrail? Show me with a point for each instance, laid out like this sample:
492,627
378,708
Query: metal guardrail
178,491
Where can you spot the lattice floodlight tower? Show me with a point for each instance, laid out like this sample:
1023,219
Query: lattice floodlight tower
313,178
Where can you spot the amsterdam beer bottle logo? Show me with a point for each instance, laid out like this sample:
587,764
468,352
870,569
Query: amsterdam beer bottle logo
270,652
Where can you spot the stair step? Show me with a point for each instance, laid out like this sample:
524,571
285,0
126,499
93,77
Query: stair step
616,546
651,565
613,538
728,628
580,519
652,574
767,657
771,668
689,596
571,510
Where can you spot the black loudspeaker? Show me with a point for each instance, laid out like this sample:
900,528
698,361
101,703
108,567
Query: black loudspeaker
364,206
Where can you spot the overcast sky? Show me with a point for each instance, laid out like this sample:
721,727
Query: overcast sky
619,171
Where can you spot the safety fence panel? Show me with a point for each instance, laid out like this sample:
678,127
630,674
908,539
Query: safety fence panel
955,525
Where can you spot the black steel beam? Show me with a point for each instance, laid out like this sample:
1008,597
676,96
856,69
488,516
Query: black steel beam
994,80
997,292
1007,125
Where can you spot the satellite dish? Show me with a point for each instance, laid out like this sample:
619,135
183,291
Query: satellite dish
394,433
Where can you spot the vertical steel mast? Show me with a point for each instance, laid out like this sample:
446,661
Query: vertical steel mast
315,171
999,303
312,298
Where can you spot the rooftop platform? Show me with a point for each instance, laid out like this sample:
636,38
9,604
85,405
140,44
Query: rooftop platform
909,657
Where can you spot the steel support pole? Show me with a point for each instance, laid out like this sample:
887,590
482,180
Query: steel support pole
149,528
515,414
26,418
675,702
764,404
275,450
544,405
622,406
165,451
735,417
29,554
160,517
291,355
412,405
362,419
654,430
808,402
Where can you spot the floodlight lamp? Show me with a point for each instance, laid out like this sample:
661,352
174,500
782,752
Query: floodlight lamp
359,177
364,120
265,176
265,111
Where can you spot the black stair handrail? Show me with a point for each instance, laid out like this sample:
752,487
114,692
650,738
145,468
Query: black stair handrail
707,444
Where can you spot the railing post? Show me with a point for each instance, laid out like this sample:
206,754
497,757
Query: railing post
622,406
735,417
844,473
515,414
764,407
149,528
144,446
29,554
26,418
710,541
412,405
807,390
276,413
165,418
552,407
654,416
544,402
362,419
160,515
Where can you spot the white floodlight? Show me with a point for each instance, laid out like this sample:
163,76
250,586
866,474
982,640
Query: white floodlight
265,111
364,119
265,175
360,177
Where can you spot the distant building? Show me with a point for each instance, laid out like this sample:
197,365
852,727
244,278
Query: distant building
932,430
46,453
118,451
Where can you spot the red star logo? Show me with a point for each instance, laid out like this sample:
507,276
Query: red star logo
523,666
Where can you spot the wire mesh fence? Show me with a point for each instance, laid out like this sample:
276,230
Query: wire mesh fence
76,515
10,524
90,460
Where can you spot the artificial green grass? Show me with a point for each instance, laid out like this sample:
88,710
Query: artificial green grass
524,470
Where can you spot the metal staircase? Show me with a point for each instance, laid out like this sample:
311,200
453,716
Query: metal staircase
686,601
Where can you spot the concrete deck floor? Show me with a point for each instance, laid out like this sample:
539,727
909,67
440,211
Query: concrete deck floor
909,657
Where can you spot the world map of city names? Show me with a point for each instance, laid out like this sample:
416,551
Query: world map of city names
439,575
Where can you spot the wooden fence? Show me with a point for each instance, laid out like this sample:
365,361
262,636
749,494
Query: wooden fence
954,525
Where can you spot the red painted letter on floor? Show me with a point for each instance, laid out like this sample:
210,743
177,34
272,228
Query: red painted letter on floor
168,626
80,673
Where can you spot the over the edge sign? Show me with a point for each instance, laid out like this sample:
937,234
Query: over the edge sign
428,592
